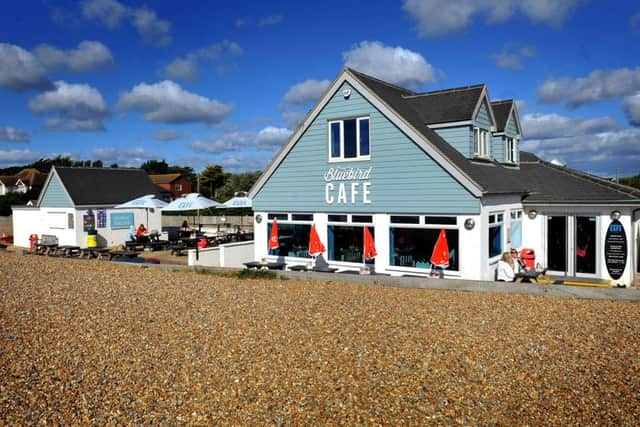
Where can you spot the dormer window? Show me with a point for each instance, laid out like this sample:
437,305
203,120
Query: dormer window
510,151
349,139
480,142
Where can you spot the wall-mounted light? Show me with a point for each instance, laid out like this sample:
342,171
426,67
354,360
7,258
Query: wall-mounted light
469,223
346,93
532,214
258,218
615,215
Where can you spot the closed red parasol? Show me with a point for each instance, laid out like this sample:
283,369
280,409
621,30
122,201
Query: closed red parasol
315,245
440,255
369,245
273,238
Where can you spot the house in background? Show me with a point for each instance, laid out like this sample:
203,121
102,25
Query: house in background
22,182
75,200
173,185
408,165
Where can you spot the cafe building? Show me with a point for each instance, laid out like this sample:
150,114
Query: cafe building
408,165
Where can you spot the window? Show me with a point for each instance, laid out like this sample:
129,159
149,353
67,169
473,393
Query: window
412,247
511,150
178,187
516,228
293,239
441,220
349,139
278,216
496,222
337,218
480,142
399,219
345,243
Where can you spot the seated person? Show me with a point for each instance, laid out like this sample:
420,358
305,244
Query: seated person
141,234
518,262
185,230
505,271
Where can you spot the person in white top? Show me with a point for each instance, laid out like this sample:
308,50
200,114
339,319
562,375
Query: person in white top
505,271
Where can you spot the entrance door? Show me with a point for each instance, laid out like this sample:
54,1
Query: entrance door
572,245
557,244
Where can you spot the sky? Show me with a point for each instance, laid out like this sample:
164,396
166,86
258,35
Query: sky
225,82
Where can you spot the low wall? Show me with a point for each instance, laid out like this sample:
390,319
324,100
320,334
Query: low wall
228,255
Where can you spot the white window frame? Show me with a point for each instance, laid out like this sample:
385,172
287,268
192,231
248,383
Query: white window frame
480,142
358,157
510,150
178,187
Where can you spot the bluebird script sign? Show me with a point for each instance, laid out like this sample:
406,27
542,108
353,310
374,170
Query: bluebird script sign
615,249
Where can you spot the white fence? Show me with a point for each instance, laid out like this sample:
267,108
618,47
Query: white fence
228,255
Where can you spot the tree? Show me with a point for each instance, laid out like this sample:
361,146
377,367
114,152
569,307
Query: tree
212,179
631,181
96,164
155,166
241,182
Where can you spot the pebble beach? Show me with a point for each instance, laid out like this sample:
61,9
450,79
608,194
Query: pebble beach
96,342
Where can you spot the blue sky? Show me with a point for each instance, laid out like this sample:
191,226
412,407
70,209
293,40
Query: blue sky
198,83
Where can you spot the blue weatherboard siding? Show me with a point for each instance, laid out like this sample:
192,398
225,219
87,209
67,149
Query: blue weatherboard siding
460,137
510,128
483,119
54,195
498,145
404,179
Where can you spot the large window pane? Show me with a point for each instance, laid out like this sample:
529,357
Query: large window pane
516,234
364,137
412,247
350,149
495,241
335,139
345,243
586,244
293,240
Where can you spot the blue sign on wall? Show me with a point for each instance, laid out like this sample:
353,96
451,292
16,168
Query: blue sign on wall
121,220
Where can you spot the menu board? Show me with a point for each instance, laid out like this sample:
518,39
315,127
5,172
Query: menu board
615,249
88,222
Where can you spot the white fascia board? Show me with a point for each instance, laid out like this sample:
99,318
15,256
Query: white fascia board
450,124
405,127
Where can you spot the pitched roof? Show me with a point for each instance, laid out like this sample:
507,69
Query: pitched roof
164,178
8,180
32,176
445,106
490,176
551,183
501,111
104,186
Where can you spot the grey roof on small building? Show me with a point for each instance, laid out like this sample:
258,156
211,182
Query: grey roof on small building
446,106
105,186
501,110
553,184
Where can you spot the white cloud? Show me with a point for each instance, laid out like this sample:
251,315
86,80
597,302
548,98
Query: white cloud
18,157
20,70
108,12
305,92
77,106
392,64
89,55
229,141
272,137
130,157
631,106
597,146
293,118
186,68
111,13
512,58
167,102
270,20
11,134
243,162
549,126
439,17
599,85
169,135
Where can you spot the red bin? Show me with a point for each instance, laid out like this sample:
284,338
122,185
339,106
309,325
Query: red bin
528,256
33,239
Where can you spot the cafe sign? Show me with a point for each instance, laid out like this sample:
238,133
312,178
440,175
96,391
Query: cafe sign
347,186
615,249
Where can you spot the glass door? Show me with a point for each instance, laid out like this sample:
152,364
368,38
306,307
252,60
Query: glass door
557,244
585,245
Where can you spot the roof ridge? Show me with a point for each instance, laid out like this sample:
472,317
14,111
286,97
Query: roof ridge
502,101
621,188
453,89
380,81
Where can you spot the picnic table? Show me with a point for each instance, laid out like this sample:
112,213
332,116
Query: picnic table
95,252
258,265
66,251
46,248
